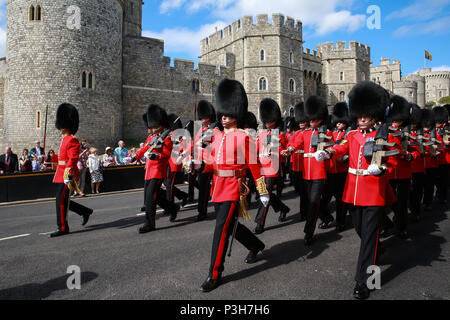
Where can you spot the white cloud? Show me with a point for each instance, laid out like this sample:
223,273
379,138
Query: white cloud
168,5
184,40
324,16
435,27
420,10
441,68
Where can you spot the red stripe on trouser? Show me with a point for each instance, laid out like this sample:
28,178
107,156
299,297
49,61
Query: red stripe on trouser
223,239
266,209
63,208
376,247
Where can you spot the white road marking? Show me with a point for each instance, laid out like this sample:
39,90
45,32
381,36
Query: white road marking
14,237
46,233
192,205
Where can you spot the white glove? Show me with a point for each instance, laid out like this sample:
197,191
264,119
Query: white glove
320,155
374,170
265,200
67,181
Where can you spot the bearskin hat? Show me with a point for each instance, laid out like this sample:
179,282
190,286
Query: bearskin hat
447,106
232,100
428,118
316,108
251,121
189,126
399,110
299,111
269,111
156,116
440,114
67,117
340,114
368,99
416,114
205,110
174,121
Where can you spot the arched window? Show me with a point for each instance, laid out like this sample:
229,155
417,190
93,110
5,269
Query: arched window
291,57
342,96
32,13
291,85
291,112
38,13
262,55
363,76
35,13
90,81
341,76
262,84
83,79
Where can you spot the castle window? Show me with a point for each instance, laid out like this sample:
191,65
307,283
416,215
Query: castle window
341,76
342,96
262,84
207,41
83,80
291,85
32,13
90,80
87,80
291,57
363,76
221,34
38,119
239,24
262,55
291,112
131,8
35,13
195,85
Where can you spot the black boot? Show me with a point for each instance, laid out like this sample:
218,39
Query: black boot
308,240
86,217
201,217
252,256
210,284
147,227
325,224
283,214
58,233
173,214
361,291
143,209
259,229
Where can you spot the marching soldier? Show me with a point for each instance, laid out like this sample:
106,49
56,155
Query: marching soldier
441,118
269,148
233,151
251,127
431,157
314,172
157,150
367,188
338,169
67,175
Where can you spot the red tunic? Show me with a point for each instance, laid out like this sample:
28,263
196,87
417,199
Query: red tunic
338,165
363,190
443,153
234,150
69,151
202,153
297,156
418,164
430,161
312,169
400,168
270,163
156,169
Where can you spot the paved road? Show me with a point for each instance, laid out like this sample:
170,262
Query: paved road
171,263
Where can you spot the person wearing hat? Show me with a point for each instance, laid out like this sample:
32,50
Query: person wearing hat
251,127
175,167
314,172
418,164
156,166
367,189
271,142
232,152
291,128
441,116
67,174
338,169
431,158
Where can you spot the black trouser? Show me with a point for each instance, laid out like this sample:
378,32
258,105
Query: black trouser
171,190
204,190
155,195
314,190
334,187
251,186
274,201
300,188
401,189
367,221
417,189
192,183
282,175
430,180
63,203
442,182
225,221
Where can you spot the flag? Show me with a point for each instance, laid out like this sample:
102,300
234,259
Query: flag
428,56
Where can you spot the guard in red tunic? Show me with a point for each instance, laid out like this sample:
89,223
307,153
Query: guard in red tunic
67,175
175,166
297,159
314,172
157,150
338,170
367,188
251,127
232,153
271,142
431,157
441,117
418,164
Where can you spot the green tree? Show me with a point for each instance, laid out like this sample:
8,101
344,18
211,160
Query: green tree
444,100
431,103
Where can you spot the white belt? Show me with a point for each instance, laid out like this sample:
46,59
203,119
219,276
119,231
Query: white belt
358,172
299,151
308,155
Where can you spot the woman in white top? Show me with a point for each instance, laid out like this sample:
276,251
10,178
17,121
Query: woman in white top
93,164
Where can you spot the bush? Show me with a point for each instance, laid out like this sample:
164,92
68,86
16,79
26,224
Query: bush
444,100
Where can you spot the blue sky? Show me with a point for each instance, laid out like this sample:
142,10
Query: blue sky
407,26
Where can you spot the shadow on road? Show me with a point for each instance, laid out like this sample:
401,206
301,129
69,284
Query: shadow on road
37,291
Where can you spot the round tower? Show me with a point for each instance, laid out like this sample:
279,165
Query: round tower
133,18
63,52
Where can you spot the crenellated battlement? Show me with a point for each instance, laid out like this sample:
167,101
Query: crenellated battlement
312,55
340,50
405,84
438,75
250,26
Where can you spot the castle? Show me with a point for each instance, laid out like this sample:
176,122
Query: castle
111,73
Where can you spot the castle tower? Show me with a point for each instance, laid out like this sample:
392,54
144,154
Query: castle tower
408,89
267,57
437,85
132,22
420,88
57,52
343,67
